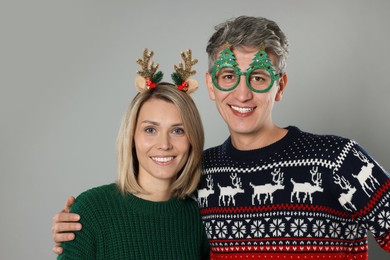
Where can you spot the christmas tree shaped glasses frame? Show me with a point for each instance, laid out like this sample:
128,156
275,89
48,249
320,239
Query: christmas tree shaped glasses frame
260,76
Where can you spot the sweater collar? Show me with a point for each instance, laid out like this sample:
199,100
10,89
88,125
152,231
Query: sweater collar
168,207
245,155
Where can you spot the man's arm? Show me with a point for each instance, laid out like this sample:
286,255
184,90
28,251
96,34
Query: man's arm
64,223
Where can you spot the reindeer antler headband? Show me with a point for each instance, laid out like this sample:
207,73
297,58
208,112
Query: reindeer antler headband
148,77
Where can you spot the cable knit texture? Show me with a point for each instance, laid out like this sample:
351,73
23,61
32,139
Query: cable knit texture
304,197
117,226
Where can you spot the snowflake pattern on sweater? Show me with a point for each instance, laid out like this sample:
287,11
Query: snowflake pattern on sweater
305,196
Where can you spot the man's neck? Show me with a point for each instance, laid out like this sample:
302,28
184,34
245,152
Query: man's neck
260,139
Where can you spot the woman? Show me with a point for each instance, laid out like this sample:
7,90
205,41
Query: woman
148,214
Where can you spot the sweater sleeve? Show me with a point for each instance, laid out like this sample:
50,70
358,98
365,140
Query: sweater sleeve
205,250
364,188
84,244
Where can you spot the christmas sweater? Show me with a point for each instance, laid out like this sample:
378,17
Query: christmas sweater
304,197
117,226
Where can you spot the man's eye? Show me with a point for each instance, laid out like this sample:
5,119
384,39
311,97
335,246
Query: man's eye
228,76
258,78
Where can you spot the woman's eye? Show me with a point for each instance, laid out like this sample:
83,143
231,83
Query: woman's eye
150,130
178,131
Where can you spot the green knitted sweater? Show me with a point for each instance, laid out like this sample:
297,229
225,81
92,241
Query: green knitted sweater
127,227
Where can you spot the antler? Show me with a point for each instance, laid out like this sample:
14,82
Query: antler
147,77
146,70
344,184
185,70
277,176
360,155
209,182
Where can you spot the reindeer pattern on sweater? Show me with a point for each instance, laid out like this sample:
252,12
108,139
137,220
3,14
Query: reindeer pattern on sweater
306,194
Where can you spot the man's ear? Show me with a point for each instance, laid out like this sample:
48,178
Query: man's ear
210,86
282,86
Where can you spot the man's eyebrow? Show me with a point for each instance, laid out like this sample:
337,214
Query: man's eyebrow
261,72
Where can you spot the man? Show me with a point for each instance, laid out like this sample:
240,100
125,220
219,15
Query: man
272,192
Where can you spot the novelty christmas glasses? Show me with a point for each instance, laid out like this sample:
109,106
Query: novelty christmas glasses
260,76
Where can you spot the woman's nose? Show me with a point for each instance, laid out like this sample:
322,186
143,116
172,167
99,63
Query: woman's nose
164,142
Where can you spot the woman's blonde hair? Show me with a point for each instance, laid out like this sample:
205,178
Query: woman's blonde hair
188,178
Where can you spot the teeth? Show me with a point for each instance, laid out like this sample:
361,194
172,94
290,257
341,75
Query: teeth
162,159
242,109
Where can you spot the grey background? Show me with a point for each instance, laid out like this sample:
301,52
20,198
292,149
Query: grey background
67,73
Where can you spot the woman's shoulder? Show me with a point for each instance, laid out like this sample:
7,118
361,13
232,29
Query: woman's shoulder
102,190
97,195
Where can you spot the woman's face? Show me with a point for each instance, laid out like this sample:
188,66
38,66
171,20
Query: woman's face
161,144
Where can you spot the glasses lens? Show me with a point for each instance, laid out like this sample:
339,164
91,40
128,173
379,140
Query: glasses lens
260,79
226,78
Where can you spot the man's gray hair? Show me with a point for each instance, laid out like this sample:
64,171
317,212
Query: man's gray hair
250,32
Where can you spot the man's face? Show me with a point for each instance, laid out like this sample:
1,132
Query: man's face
246,113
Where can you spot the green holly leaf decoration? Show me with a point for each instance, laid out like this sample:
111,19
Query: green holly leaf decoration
177,79
157,77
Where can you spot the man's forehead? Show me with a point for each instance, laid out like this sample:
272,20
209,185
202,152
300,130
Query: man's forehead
249,52
245,49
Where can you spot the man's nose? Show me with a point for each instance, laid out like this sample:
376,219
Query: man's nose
242,92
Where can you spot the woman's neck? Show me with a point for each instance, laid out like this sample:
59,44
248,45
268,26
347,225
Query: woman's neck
155,196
